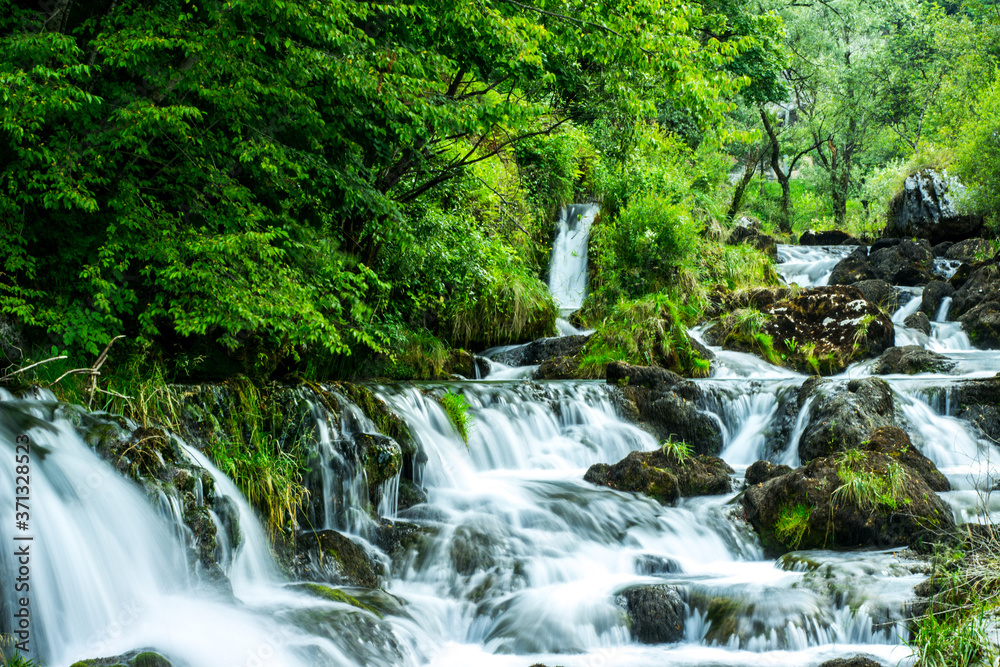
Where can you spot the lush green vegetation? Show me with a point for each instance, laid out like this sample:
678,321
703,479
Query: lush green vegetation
792,524
457,409
865,488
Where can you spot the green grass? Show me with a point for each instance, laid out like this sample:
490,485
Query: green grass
18,660
792,524
457,409
677,449
952,640
651,331
868,489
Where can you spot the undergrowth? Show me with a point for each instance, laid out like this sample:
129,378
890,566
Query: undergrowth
792,524
868,489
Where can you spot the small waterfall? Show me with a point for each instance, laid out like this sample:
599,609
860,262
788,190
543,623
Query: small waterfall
809,266
942,314
568,266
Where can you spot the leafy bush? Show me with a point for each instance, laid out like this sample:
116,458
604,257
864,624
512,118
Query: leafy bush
979,154
457,409
649,332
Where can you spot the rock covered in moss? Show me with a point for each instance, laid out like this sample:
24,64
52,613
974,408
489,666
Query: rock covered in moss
748,232
650,377
326,556
843,415
381,456
137,658
976,303
933,294
853,269
895,443
909,360
863,499
663,476
856,661
820,329
909,262
537,351
657,614
762,471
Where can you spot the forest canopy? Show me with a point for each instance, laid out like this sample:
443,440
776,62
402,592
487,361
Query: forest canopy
275,183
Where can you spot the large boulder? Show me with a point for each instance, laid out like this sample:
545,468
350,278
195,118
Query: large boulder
910,360
928,207
537,351
880,293
978,402
828,237
656,613
908,262
650,377
934,293
895,443
970,250
857,498
843,415
918,321
818,330
853,269
856,661
976,303
673,415
663,475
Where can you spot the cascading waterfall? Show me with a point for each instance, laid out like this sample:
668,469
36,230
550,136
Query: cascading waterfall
513,559
568,267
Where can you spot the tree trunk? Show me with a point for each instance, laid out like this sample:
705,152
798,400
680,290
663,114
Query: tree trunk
784,178
750,168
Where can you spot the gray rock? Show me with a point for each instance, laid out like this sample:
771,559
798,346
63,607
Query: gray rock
762,471
970,250
843,416
657,614
880,293
976,304
651,377
918,321
828,237
853,269
909,360
935,291
327,556
537,351
748,235
906,263
929,207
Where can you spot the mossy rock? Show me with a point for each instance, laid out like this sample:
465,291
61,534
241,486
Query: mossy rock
333,595
815,330
806,509
329,557
386,421
663,476
149,659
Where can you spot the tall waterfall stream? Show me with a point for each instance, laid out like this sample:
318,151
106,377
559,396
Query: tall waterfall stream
514,559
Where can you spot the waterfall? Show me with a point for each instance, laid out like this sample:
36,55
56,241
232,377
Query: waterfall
568,266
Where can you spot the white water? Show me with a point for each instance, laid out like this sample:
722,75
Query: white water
568,265
518,559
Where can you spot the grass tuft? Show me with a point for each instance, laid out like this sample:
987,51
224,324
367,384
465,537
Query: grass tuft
792,524
457,409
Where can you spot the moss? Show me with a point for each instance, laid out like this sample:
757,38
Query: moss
335,595
793,524
386,421
149,659
457,409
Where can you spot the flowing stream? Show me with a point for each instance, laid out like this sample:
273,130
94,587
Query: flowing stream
513,559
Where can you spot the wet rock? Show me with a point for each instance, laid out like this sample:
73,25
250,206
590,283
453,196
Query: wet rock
909,360
930,301
941,248
928,208
537,351
657,614
668,414
918,321
818,330
752,236
843,415
906,263
976,304
326,556
867,499
559,368
381,456
650,564
884,243
895,443
856,661
853,269
978,402
410,494
828,237
880,293
970,250
663,476
762,471
650,377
